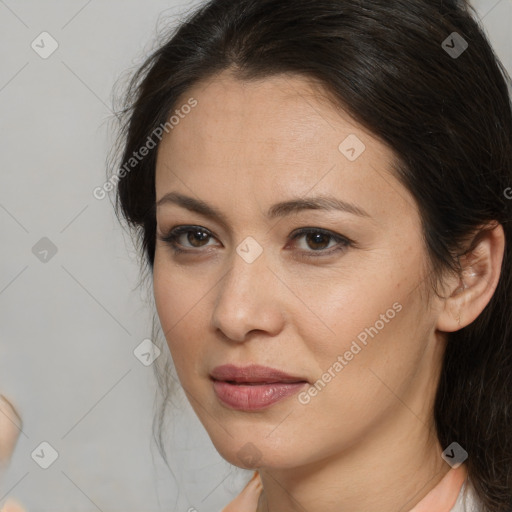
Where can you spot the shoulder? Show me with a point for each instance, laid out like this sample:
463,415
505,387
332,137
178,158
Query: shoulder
467,501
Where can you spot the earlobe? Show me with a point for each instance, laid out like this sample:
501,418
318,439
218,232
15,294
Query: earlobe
480,273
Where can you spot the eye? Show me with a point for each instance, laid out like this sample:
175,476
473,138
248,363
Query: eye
316,239
319,241
195,235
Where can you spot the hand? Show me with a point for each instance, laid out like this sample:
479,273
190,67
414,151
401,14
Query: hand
10,428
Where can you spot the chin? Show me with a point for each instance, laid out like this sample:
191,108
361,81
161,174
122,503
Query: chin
253,452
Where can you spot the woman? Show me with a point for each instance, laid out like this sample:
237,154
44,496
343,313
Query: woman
319,190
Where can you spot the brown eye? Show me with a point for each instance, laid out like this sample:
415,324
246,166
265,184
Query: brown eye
319,242
187,237
196,237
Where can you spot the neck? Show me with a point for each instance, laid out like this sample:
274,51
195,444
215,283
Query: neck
383,471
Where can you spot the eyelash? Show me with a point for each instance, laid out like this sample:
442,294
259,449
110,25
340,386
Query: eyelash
343,242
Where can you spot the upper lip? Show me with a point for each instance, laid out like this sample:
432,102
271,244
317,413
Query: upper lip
252,373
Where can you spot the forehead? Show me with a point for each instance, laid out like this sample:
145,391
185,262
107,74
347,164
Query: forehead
280,135
283,119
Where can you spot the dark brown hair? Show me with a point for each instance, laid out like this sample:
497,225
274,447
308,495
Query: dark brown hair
447,118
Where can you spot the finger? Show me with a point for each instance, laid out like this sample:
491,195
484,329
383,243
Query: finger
247,500
10,428
12,506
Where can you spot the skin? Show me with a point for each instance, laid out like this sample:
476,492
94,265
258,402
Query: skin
10,424
10,428
366,441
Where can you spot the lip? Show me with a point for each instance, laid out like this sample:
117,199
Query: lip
253,373
253,387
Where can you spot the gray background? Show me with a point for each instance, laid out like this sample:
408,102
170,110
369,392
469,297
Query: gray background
68,326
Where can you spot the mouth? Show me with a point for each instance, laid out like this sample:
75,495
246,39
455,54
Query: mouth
252,374
253,387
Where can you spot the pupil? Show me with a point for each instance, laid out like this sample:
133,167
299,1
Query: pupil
316,238
197,235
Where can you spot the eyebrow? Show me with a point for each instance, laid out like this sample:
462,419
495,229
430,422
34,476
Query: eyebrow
282,209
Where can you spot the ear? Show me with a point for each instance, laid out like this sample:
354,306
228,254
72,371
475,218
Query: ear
470,292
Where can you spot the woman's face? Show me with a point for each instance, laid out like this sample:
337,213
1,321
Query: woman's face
349,315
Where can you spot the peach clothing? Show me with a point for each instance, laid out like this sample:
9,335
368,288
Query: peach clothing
451,494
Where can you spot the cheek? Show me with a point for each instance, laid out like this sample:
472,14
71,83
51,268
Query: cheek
376,322
178,294
178,304
379,338
165,296
369,301
346,308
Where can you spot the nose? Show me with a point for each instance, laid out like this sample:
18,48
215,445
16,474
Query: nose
248,300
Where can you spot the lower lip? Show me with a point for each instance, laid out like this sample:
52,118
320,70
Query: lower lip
252,397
